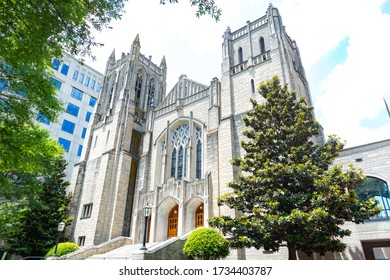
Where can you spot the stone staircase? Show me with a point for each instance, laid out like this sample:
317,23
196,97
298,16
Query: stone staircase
122,248
126,252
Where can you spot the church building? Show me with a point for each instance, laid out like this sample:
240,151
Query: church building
170,149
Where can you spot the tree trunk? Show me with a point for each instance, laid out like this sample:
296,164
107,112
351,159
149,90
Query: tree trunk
292,252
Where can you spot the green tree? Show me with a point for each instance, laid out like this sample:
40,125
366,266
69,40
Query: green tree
287,191
32,33
29,226
206,244
205,7
25,149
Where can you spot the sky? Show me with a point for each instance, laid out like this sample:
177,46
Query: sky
344,46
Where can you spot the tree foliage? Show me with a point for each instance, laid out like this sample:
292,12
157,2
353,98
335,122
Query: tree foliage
32,33
288,192
205,7
28,224
25,150
206,244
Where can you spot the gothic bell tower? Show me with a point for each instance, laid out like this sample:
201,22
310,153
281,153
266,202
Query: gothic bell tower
103,183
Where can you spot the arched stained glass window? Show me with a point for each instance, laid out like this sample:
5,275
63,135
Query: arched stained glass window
182,155
180,140
375,188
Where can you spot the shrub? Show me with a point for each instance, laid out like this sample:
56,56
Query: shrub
63,249
206,244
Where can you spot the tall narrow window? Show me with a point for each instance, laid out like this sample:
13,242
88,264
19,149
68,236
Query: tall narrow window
240,56
262,45
173,165
253,86
80,150
84,132
138,89
151,94
180,163
81,78
198,153
75,74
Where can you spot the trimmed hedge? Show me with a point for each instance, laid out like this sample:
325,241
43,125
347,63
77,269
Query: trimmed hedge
206,244
63,249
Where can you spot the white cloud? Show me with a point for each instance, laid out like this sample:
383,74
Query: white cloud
352,92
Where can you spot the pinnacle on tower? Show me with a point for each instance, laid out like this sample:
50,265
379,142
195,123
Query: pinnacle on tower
163,62
112,56
137,41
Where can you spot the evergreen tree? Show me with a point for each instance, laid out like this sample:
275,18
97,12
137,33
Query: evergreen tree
288,192
32,230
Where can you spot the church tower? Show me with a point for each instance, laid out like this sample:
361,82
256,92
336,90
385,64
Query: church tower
103,183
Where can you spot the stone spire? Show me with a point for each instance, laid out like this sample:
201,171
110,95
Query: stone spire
112,56
137,41
163,62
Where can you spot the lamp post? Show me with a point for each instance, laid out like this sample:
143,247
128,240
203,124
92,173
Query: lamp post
147,211
61,227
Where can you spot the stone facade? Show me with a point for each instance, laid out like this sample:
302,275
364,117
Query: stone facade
172,152
374,160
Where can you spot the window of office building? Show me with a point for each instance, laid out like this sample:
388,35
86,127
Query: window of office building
42,118
56,83
78,94
88,116
56,64
81,78
68,126
72,109
83,132
80,150
87,79
75,74
64,143
64,69
92,101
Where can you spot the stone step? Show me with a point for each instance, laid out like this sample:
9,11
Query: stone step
124,252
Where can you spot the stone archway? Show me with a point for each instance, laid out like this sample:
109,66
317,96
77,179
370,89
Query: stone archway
163,213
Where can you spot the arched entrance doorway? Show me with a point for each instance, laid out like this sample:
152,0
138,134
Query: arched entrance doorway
199,217
173,221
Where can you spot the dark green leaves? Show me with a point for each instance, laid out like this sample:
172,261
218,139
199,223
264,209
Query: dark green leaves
288,192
